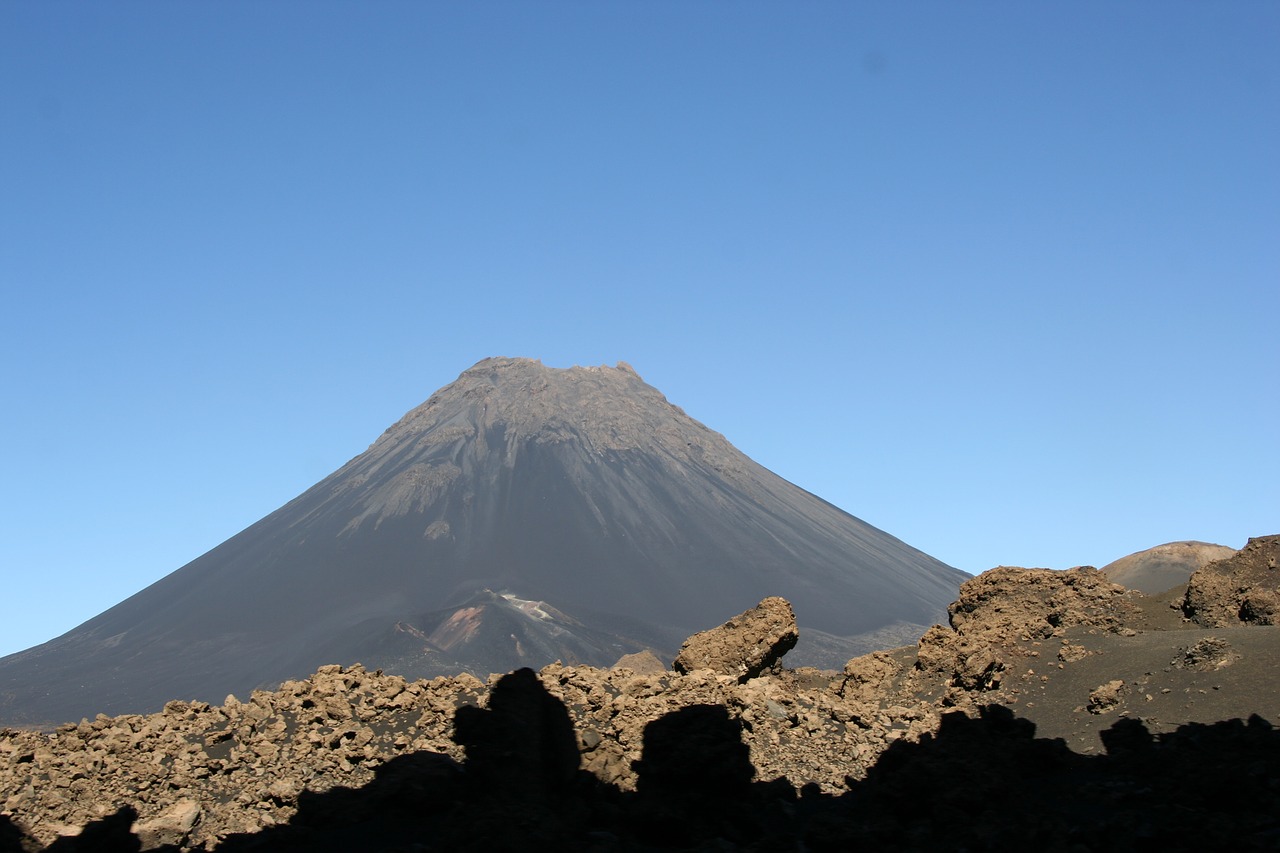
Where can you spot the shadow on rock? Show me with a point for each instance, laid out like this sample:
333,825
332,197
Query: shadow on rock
694,785
409,795
979,783
987,783
519,788
12,839
111,834
522,747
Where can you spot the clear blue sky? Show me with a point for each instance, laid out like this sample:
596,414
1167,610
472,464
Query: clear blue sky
1002,279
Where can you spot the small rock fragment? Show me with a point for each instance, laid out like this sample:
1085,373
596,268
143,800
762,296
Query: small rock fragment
644,663
172,826
1106,697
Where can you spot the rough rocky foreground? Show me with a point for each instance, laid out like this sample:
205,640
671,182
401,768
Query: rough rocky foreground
1059,710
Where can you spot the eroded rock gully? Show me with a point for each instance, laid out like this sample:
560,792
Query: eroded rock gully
729,750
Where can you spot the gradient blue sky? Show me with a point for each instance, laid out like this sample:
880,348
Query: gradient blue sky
1002,279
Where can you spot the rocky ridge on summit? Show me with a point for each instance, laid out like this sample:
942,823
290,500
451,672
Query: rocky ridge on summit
1057,709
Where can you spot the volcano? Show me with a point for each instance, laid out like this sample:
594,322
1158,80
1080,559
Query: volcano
523,514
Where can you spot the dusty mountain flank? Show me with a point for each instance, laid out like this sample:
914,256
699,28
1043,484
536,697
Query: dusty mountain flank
521,515
1057,709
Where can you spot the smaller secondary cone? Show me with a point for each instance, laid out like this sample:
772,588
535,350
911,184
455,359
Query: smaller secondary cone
1163,567
522,514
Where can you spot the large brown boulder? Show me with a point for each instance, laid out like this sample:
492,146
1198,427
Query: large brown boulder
1013,603
746,645
1007,605
865,677
1244,588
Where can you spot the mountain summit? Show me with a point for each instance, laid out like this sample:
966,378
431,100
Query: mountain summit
522,514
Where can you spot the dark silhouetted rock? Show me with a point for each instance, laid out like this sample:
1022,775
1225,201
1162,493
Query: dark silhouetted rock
695,753
522,746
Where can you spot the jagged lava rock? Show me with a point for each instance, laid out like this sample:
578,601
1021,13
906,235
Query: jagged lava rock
1243,588
197,773
1008,604
1009,601
746,645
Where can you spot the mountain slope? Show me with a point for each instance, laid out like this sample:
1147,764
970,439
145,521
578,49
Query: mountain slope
581,488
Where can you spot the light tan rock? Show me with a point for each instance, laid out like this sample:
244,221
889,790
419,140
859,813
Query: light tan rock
1106,697
645,662
172,826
